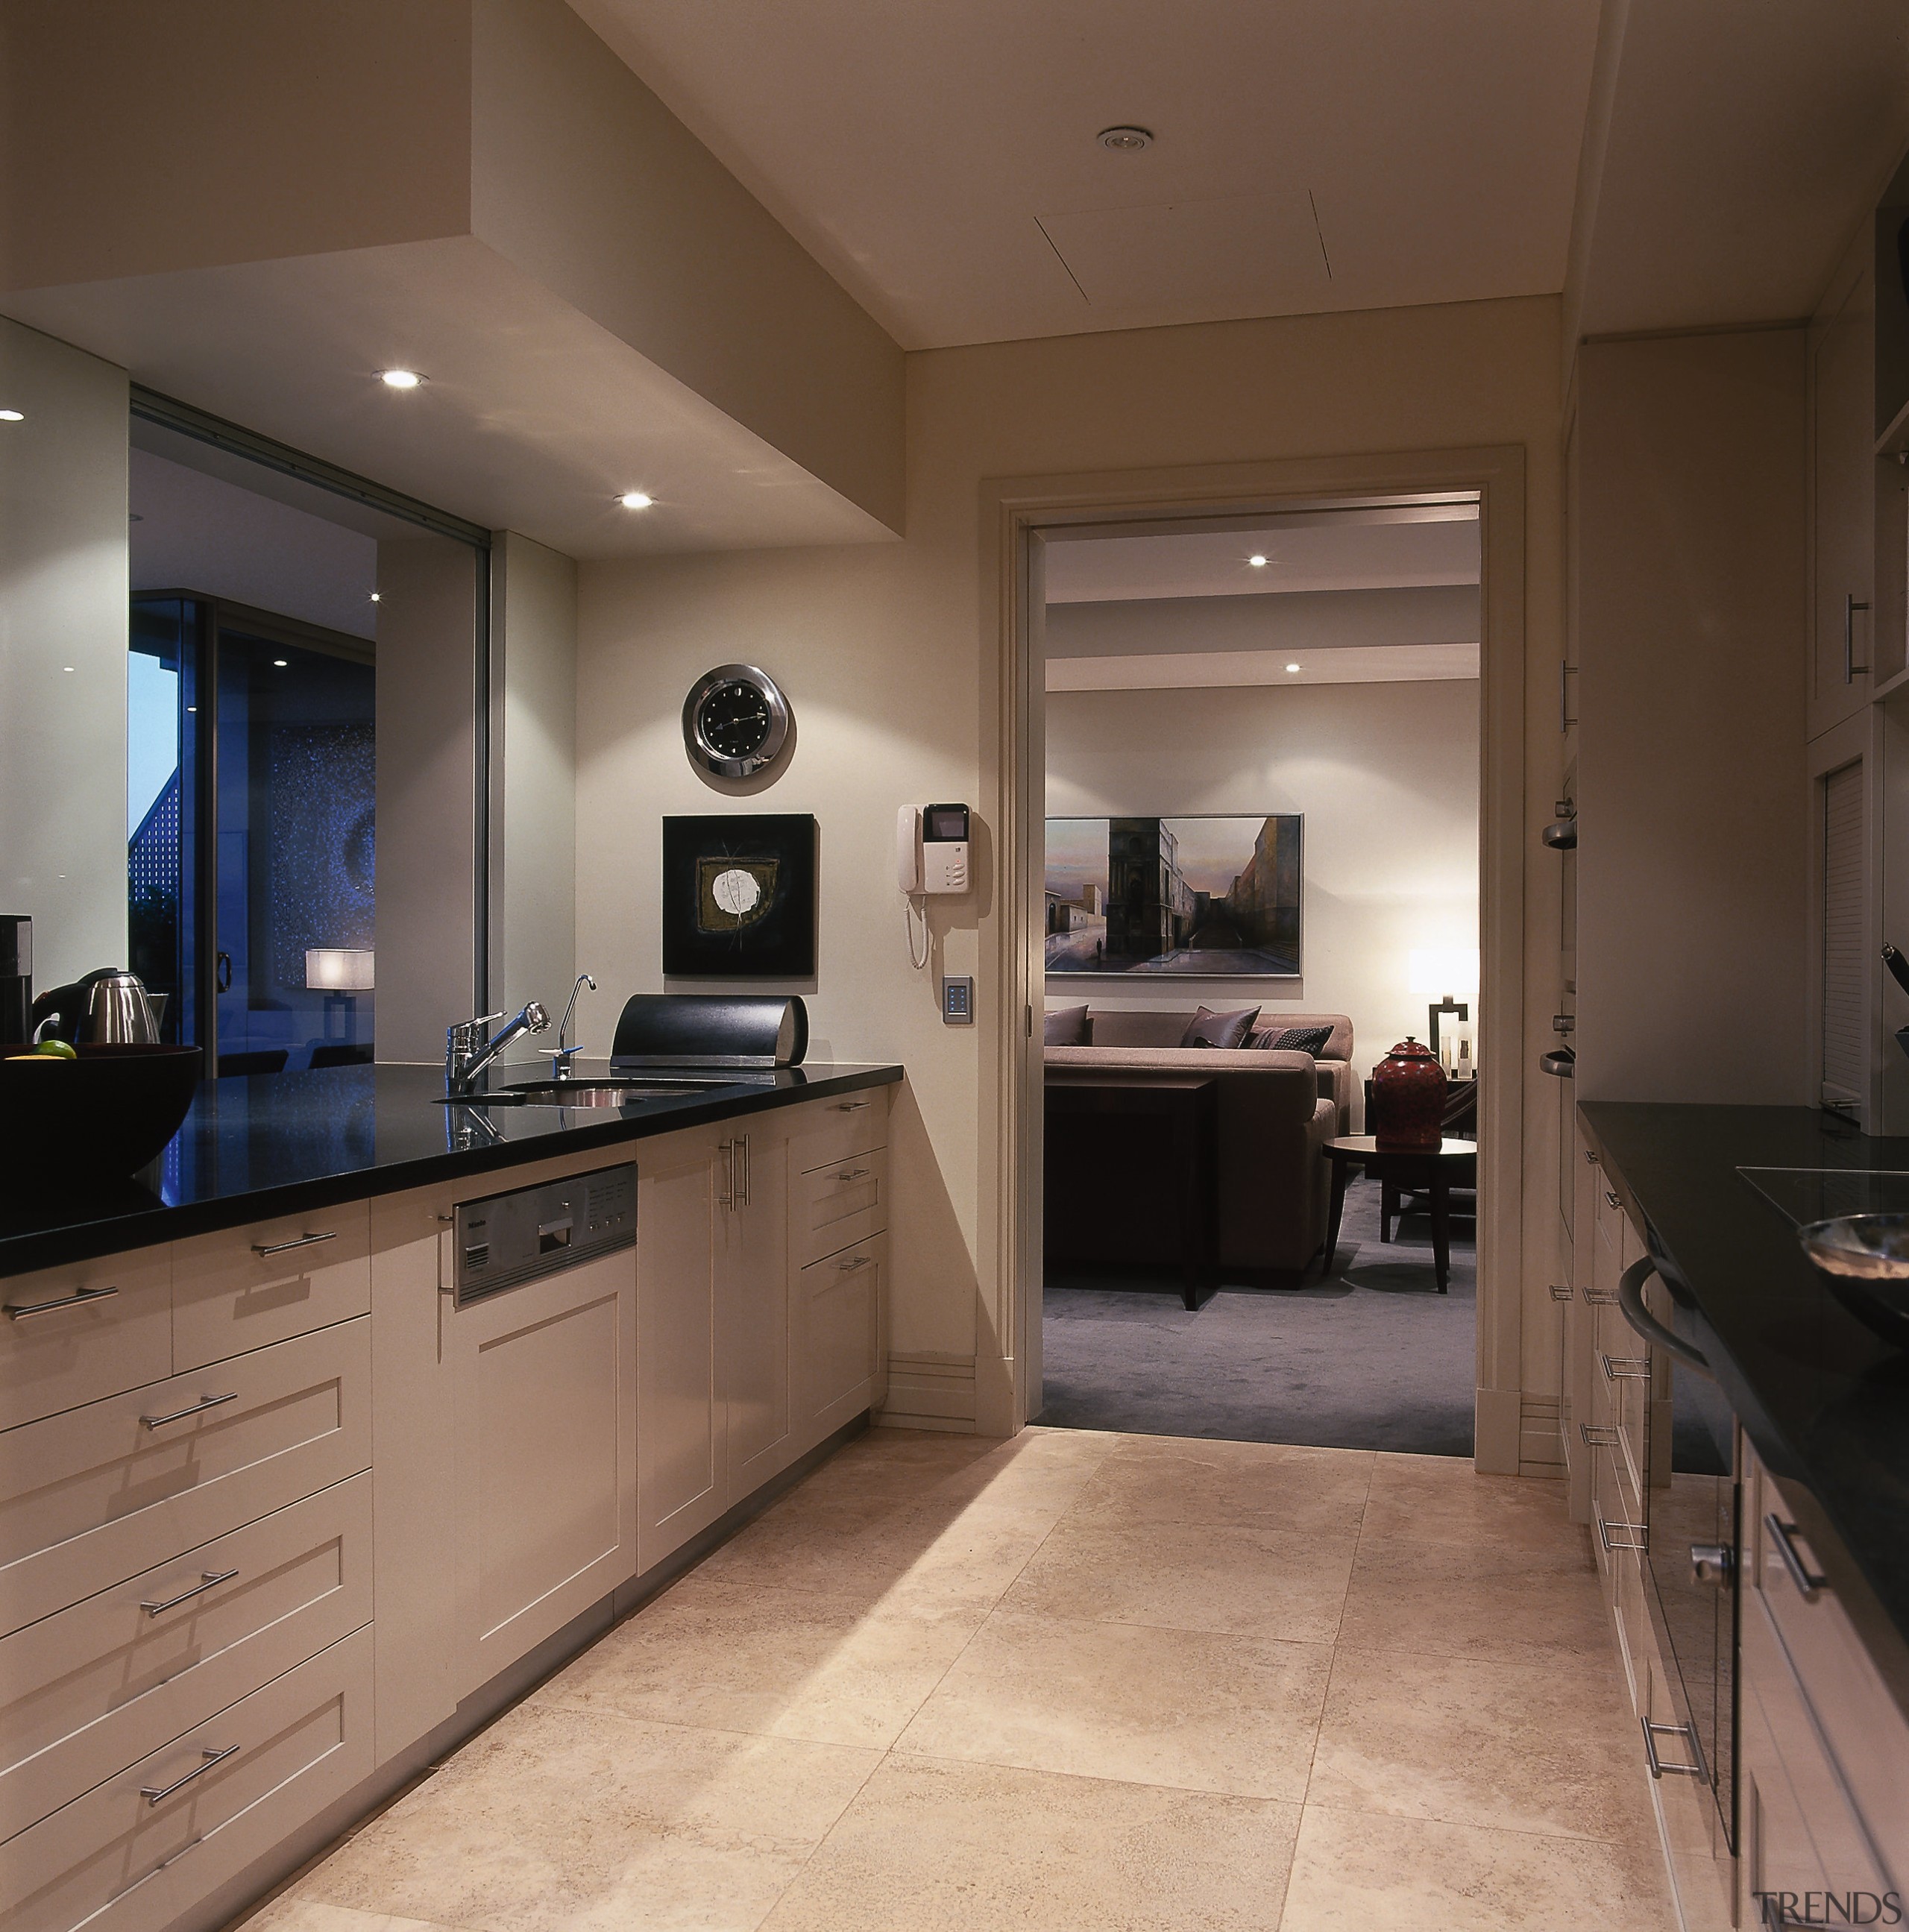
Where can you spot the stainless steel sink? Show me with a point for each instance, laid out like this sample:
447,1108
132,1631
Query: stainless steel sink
614,1090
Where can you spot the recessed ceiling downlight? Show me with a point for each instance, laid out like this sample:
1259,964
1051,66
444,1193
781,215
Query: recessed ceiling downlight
1293,667
636,499
1258,562
1125,140
13,416
400,379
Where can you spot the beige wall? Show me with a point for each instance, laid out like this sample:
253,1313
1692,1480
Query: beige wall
533,763
1690,789
426,790
889,654
63,652
1387,777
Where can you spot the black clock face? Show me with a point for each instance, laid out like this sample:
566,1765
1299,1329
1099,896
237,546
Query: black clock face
735,720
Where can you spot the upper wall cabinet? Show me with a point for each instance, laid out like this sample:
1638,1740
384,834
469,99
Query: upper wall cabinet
1842,467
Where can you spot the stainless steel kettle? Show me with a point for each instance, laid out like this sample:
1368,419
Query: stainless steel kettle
108,1007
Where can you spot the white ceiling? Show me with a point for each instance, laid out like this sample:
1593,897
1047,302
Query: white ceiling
534,419
1327,549
192,531
941,159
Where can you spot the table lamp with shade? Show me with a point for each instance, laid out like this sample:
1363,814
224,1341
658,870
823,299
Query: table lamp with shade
1446,976
340,973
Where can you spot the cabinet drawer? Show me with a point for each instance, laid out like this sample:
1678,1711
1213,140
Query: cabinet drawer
838,1321
101,1493
833,1129
1865,1730
1800,1833
87,1690
244,1287
109,1326
118,1859
834,1206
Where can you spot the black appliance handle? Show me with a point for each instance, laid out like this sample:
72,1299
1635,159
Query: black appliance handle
1630,1306
1897,965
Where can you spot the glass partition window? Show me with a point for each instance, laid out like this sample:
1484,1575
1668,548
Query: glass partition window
251,765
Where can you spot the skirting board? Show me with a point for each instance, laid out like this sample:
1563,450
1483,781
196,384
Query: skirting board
1498,1431
930,1392
1541,1449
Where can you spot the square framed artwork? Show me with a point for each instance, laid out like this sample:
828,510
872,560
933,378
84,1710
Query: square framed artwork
739,895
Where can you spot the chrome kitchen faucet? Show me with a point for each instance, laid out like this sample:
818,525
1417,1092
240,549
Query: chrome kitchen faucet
466,1052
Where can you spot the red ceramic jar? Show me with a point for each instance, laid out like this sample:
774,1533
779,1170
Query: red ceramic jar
1408,1100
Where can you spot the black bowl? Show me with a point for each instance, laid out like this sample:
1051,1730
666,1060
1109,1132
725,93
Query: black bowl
101,1117
1864,1258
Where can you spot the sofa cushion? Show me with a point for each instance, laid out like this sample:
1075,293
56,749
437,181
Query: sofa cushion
1065,1026
1224,1031
1293,1039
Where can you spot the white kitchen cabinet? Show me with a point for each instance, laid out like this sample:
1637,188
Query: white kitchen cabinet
242,1287
682,1428
1842,484
544,1382
752,1301
72,1334
838,1321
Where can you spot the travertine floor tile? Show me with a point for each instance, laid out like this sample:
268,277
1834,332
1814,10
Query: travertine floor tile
951,1559
1544,1748
1354,1871
292,1913
932,1846
1443,1498
890,1470
1177,1479
1252,1582
564,1818
1185,1708
792,1663
1484,1599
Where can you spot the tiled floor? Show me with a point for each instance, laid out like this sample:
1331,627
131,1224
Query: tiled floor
1072,1683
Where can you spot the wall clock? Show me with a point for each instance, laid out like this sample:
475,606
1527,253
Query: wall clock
734,720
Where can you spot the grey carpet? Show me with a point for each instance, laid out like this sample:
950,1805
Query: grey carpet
1372,1357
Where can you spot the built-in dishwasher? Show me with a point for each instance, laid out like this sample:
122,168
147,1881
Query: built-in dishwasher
504,1240
539,1343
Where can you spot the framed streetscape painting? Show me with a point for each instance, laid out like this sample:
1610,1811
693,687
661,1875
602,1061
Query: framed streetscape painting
1212,896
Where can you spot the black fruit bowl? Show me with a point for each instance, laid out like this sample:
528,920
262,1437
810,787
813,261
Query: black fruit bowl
1864,1258
101,1117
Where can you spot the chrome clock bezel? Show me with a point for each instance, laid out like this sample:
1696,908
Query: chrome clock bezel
699,747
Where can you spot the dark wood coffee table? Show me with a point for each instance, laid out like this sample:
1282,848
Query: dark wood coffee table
1182,1113
1455,1164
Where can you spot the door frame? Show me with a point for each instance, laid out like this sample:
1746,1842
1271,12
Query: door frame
1016,512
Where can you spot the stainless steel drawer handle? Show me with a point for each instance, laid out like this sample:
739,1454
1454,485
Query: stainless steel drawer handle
1560,1292
1613,1198
1616,1536
209,1579
153,1793
19,1311
262,1249
1658,1769
860,1262
1625,1368
850,1106
198,1408
855,1174
1808,1584
1601,1298
1596,1436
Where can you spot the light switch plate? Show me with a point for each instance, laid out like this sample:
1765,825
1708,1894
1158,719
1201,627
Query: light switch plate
957,1002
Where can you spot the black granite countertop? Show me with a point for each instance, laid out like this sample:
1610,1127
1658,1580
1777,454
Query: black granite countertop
285,1143
1824,1401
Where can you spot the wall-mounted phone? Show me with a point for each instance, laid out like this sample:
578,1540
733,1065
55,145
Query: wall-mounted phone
930,857
931,848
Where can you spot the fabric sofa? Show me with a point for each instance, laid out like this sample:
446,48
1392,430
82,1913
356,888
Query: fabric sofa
1162,1030
1277,1110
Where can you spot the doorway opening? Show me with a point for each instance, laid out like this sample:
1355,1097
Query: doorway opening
1262,781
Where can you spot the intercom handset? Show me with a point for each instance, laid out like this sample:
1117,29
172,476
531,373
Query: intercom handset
931,857
931,848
